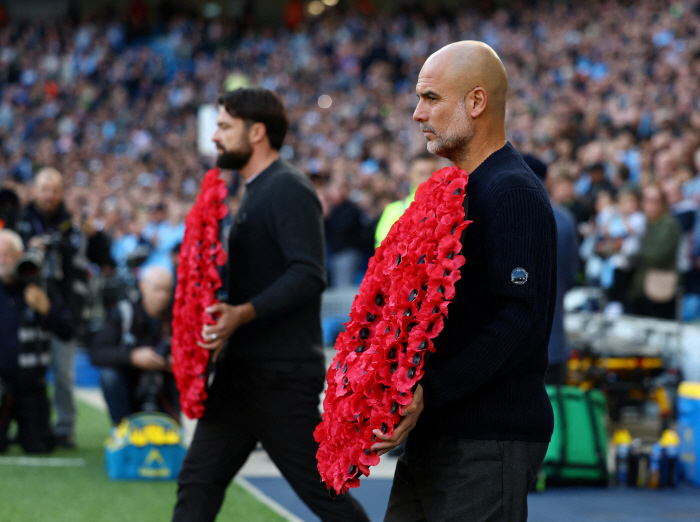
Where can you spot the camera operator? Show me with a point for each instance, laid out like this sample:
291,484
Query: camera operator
132,350
26,318
46,224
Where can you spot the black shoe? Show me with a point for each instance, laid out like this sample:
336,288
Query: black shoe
65,441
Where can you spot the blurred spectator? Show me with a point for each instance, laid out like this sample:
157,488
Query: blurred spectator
343,226
596,247
115,113
128,242
656,272
592,183
567,268
132,350
27,316
9,208
45,224
610,250
422,167
691,299
686,210
563,193
165,230
624,236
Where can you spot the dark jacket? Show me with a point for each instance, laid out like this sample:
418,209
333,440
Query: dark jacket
277,262
486,379
68,254
25,350
567,266
126,327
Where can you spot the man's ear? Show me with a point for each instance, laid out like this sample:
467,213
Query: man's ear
476,102
257,132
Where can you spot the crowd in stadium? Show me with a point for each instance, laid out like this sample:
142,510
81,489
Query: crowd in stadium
609,102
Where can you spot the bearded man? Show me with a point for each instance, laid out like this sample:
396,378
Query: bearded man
480,420
266,343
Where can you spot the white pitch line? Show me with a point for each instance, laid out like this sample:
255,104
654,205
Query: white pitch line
92,397
49,462
262,497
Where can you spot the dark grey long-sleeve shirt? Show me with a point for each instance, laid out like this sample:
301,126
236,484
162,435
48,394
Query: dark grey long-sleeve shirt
277,262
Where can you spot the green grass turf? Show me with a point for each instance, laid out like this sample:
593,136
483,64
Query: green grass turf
85,494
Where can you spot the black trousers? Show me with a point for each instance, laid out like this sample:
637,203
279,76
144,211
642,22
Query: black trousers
446,479
277,408
32,412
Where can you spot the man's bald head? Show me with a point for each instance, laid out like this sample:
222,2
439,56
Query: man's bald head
48,190
462,90
464,66
156,286
11,250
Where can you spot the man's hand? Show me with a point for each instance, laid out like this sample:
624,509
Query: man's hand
88,226
410,415
37,299
230,318
38,242
146,358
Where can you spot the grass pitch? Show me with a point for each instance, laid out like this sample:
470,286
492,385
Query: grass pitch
85,494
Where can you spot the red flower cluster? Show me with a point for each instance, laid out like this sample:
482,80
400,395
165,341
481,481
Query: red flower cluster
399,309
197,281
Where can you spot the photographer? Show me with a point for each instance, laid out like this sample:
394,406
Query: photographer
46,224
26,318
132,350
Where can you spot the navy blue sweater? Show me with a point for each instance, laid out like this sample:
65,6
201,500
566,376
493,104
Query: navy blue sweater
485,382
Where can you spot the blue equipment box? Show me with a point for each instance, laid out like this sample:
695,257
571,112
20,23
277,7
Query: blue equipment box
689,430
145,446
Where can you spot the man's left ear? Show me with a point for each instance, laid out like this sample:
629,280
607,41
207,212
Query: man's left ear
476,102
257,132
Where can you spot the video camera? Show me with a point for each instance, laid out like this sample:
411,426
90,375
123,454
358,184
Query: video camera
151,383
30,265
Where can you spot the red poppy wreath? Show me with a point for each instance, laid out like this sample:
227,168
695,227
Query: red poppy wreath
399,309
197,282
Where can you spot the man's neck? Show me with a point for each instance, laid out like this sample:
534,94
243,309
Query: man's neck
480,153
258,163
45,214
8,280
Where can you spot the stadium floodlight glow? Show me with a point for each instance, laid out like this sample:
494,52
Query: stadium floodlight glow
324,101
330,3
316,7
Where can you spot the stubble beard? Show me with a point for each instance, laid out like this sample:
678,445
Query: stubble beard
454,143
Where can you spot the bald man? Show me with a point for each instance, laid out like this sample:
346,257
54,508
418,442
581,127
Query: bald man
480,420
132,350
68,247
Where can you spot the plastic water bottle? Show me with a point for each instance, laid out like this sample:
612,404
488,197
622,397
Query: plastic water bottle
670,443
635,473
541,483
655,457
622,440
